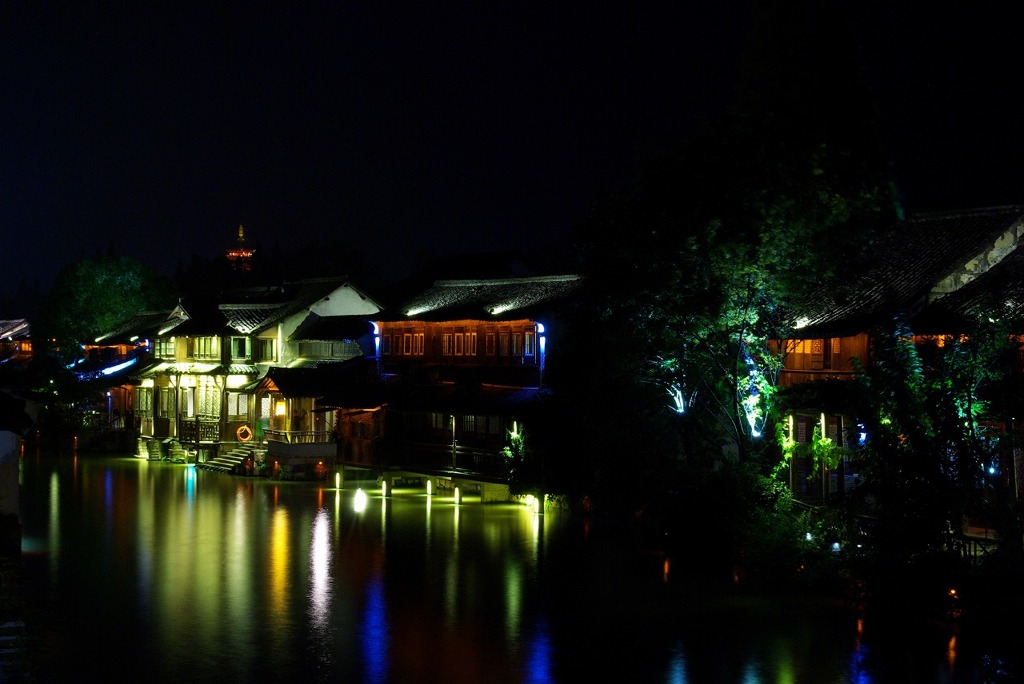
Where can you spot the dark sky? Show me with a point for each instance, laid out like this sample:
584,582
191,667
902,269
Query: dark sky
422,127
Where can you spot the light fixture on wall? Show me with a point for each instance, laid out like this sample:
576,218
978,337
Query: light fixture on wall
279,408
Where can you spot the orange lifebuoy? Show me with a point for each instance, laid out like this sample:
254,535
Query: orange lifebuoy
244,433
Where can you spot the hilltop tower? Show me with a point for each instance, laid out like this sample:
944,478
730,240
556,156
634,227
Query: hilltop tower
240,256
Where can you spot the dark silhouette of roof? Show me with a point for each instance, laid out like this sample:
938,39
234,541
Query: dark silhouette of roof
909,266
484,299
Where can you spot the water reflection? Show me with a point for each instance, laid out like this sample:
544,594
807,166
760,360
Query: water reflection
160,572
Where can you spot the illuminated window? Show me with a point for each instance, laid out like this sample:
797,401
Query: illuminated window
144,401
165,403
471,344
238,406
459,344
203,348
417,344
528,344
165,348
208,395
447,344
407,344
517,344
503,344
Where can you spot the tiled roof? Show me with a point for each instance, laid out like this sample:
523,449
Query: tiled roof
911,263
997,294
13,329
246,318
476,299
145,325
302,294
320,380
332,328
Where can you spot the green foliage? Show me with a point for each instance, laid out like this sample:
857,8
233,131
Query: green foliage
92,296
517,463
823,453
928,451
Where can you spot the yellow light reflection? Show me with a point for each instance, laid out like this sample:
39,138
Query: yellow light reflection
279,544
53,534
359,502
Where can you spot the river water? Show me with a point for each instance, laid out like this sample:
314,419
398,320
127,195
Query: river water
154,572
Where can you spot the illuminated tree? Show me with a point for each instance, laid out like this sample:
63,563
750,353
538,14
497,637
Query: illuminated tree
93,295
932,458
702,261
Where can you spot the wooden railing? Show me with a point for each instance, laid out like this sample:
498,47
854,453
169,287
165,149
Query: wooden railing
197,430
299,436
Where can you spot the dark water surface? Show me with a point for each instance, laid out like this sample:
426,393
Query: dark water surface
153,572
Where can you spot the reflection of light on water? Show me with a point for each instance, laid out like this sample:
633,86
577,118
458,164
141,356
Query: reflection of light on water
752,673
319,570
513,600
951,651
427,531
538,659
53,534
237,590
857,656
451,589
676,673
375,637
279,559
359,502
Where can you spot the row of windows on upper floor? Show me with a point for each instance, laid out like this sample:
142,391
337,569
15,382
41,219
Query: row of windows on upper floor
247,349
501,344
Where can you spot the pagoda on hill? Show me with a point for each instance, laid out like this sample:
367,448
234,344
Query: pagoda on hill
240,256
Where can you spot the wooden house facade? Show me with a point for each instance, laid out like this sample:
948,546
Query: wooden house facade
461,367
937,273
193,377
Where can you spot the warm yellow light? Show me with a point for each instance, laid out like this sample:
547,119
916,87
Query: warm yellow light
236,381
279,408
458,495
337,480
384,488
430,487
359,504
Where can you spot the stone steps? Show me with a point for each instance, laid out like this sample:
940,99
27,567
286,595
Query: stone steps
232,461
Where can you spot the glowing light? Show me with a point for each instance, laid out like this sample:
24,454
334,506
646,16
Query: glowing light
835,546
808,536
118,367
430,487
384,488
279,408
337,480
675,393
458,495
359,503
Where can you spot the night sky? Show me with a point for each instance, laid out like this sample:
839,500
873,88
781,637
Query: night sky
415,129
